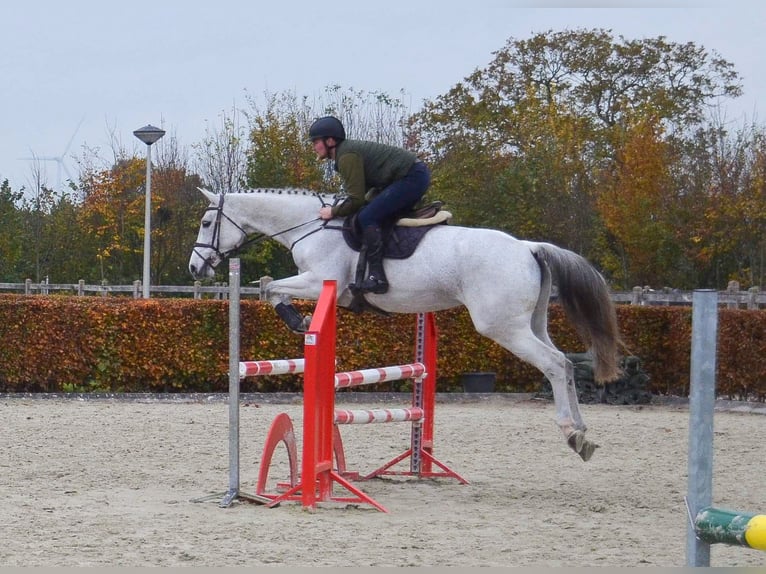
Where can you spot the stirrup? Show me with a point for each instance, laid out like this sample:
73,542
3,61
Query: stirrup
373,285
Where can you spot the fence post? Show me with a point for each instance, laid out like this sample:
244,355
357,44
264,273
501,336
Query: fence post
262,283
137,293
27,287
752,297
81,287
103,288
197,292
732,289
636,296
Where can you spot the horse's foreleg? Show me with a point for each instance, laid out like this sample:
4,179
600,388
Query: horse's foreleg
280,294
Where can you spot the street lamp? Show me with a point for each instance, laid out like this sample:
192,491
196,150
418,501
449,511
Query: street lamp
148,134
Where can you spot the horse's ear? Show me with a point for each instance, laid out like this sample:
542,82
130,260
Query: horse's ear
209,194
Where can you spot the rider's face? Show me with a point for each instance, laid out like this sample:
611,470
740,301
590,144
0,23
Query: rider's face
321,149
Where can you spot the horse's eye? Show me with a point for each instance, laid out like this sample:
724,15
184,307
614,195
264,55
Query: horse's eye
206,223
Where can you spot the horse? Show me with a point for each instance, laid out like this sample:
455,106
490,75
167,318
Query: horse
504,282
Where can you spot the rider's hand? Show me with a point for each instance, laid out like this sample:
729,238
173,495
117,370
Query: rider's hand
325,212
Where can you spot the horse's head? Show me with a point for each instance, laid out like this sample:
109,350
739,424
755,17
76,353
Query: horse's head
219,236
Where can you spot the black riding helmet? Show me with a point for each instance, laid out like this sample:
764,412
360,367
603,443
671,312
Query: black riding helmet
327,127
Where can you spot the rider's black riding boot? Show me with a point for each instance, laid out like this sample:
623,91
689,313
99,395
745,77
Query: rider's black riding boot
375,281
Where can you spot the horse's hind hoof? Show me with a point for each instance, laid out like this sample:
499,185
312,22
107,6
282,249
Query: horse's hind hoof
581,445
588,448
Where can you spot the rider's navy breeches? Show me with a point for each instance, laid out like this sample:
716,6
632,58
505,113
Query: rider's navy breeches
398,197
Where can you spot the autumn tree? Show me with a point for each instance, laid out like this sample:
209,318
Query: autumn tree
112,215
751,264
751,209
548,190
113,210
177,207
547,117
65,261
37,203
12,237
729,217
279,154
636,204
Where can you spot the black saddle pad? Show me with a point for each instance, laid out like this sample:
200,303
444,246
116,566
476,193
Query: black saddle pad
400,242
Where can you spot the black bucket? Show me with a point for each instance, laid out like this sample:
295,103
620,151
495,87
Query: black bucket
478,382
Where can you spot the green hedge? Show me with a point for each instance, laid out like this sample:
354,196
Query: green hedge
89,344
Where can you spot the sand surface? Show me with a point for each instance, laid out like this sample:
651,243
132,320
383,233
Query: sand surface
138,483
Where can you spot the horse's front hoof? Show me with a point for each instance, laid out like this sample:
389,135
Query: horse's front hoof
581,445
296,322
302,327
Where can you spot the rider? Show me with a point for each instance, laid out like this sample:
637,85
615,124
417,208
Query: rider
396,178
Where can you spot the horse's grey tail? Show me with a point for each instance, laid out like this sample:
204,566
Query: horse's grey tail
585,296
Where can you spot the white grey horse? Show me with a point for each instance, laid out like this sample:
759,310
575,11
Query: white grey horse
505,283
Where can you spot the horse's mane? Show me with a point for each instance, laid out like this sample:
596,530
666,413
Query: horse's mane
287,191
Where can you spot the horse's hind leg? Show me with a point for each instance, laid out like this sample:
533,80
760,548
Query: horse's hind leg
576,437
572,394
539,325
559,370
571,389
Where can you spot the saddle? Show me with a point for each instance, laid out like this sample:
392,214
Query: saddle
401,236
400,239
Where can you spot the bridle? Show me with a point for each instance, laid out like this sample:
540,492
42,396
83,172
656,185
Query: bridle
215,240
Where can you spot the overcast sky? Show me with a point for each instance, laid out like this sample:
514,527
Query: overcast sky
80,69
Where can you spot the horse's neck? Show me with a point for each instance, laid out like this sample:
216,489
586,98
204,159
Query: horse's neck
274,211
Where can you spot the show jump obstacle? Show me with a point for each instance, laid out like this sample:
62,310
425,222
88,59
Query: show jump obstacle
322,444
708,525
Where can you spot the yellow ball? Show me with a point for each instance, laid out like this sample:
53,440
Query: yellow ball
755,533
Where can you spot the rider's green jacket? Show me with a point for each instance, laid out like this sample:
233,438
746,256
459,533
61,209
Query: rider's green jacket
365,165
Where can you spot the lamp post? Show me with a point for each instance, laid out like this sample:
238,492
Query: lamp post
148,134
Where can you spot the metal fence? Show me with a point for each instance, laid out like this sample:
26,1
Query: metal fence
733,297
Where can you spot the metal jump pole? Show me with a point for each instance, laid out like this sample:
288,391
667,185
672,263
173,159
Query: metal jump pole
234,340
234,282
701,408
